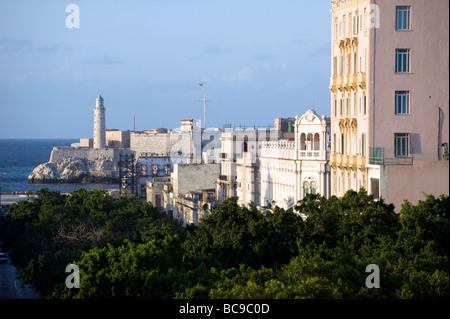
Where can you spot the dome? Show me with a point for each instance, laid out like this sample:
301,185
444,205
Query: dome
99,97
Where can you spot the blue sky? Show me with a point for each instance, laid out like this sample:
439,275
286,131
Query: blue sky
260,59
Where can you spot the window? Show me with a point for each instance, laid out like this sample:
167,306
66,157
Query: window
347,107
375,187
347,64
335,27
401,102
402,18
334,142
354,62
401,144
341,107
313,187
363,144
364,104
365,19
334,71
402,60
355,23
305,188
341,65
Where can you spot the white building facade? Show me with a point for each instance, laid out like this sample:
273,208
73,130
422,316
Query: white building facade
291,168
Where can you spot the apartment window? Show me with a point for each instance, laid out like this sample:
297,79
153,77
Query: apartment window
364,104
401,144
347,64
363,144
355,23
402,17
341,107
402,60
335,28
401,102
335,107
375,187
354,62
341,65
334,142
334,66
347,107
365,19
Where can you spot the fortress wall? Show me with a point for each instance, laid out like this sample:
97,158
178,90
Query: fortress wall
91,154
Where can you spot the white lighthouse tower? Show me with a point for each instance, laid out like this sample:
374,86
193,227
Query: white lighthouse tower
99,123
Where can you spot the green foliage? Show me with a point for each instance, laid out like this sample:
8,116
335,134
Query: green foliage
127,249
236,235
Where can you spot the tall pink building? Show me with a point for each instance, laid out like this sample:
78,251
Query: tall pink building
390,98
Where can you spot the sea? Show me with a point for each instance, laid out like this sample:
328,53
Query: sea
19,157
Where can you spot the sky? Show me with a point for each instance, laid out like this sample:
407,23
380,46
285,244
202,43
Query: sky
259,60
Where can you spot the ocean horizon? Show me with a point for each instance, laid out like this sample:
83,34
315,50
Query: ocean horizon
19,157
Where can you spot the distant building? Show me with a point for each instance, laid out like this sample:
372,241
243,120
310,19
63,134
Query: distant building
117,139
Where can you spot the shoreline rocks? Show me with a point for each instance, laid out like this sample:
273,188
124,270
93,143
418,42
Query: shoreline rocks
79,165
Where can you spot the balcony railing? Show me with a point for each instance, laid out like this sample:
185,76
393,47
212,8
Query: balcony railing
333,81
376,155
362,80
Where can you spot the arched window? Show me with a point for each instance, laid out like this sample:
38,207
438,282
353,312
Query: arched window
316,146
313,187
303,142
305,188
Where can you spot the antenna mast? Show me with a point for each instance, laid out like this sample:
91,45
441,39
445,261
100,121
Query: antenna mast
204,104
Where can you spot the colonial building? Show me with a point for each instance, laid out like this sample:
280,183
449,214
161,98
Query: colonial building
389,98
290,168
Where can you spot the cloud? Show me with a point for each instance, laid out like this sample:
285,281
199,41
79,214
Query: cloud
8,44
102,59
214,49
243,75
54,47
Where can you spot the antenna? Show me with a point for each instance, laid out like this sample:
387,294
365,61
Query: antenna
134,124
204,103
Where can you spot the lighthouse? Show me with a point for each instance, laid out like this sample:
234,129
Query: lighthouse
99,123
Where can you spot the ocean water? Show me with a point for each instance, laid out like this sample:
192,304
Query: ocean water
18,158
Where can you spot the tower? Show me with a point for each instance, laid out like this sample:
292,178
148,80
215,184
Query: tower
99,123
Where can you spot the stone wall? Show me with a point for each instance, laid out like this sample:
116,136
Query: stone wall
80,165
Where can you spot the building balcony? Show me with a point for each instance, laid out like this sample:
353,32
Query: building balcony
339,160
346,82
345,161
361,162
352,162
333,87
353,81
333,160
362,80
340,83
